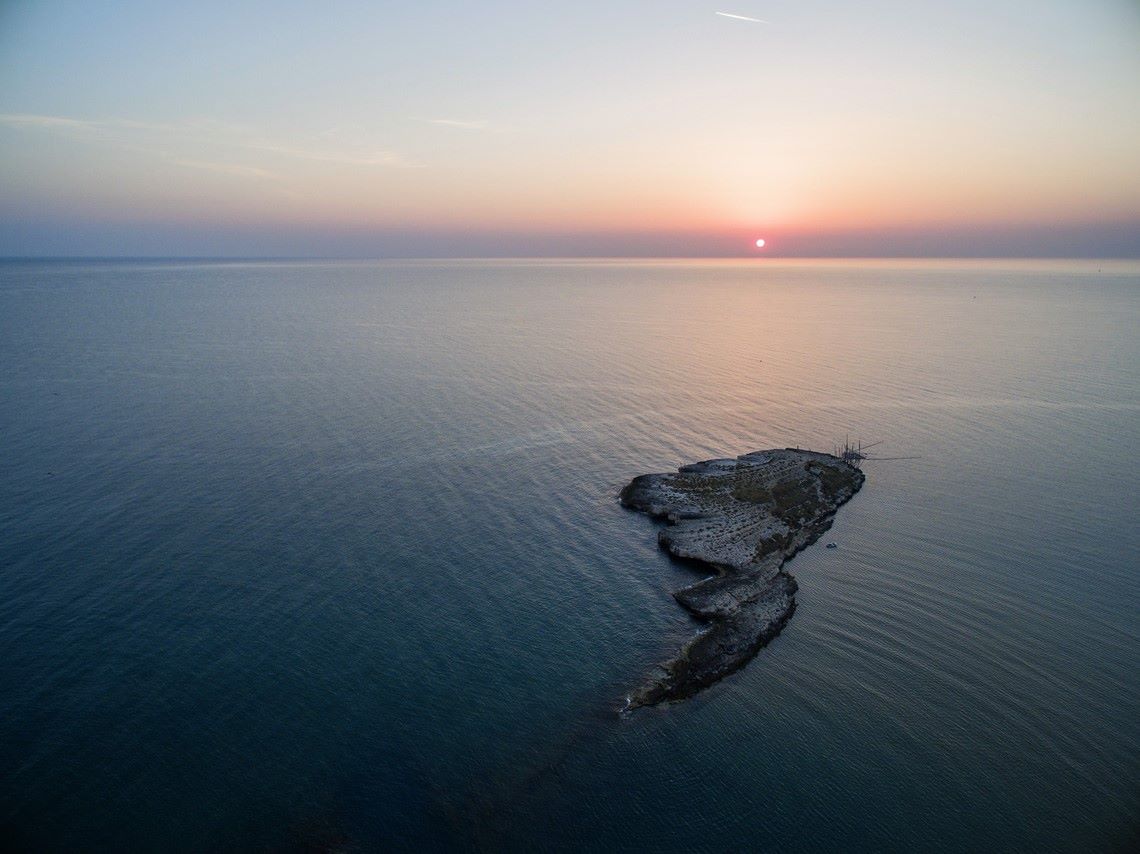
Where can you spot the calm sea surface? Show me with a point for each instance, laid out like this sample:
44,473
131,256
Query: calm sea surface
328,554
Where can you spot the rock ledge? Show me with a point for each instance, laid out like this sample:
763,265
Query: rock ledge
740,519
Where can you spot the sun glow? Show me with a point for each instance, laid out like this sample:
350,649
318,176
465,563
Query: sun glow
760,243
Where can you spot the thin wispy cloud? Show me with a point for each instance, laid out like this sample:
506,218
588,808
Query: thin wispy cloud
741,18
35,121
461,123
155,138
372,158
235,169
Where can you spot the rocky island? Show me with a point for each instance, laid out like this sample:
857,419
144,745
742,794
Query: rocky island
741,519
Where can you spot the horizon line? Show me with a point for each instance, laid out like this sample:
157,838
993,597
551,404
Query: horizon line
739,257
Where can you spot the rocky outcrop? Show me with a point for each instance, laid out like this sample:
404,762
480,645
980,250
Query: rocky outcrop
740,519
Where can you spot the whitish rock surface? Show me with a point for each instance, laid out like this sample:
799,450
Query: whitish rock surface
741,519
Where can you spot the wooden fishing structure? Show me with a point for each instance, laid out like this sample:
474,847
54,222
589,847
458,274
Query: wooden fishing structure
853,454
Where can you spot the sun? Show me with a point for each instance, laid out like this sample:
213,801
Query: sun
760,243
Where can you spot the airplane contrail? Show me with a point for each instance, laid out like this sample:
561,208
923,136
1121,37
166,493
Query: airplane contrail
741,17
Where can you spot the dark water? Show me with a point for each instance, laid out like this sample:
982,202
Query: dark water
329,555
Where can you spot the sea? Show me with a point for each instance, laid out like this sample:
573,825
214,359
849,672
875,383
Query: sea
327,556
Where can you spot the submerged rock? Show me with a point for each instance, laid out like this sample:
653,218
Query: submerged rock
740,519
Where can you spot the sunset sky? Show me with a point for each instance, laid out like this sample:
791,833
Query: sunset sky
441,128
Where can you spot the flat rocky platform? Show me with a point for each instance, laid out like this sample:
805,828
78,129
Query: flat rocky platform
740,519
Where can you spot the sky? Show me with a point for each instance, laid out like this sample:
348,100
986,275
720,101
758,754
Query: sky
456,129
